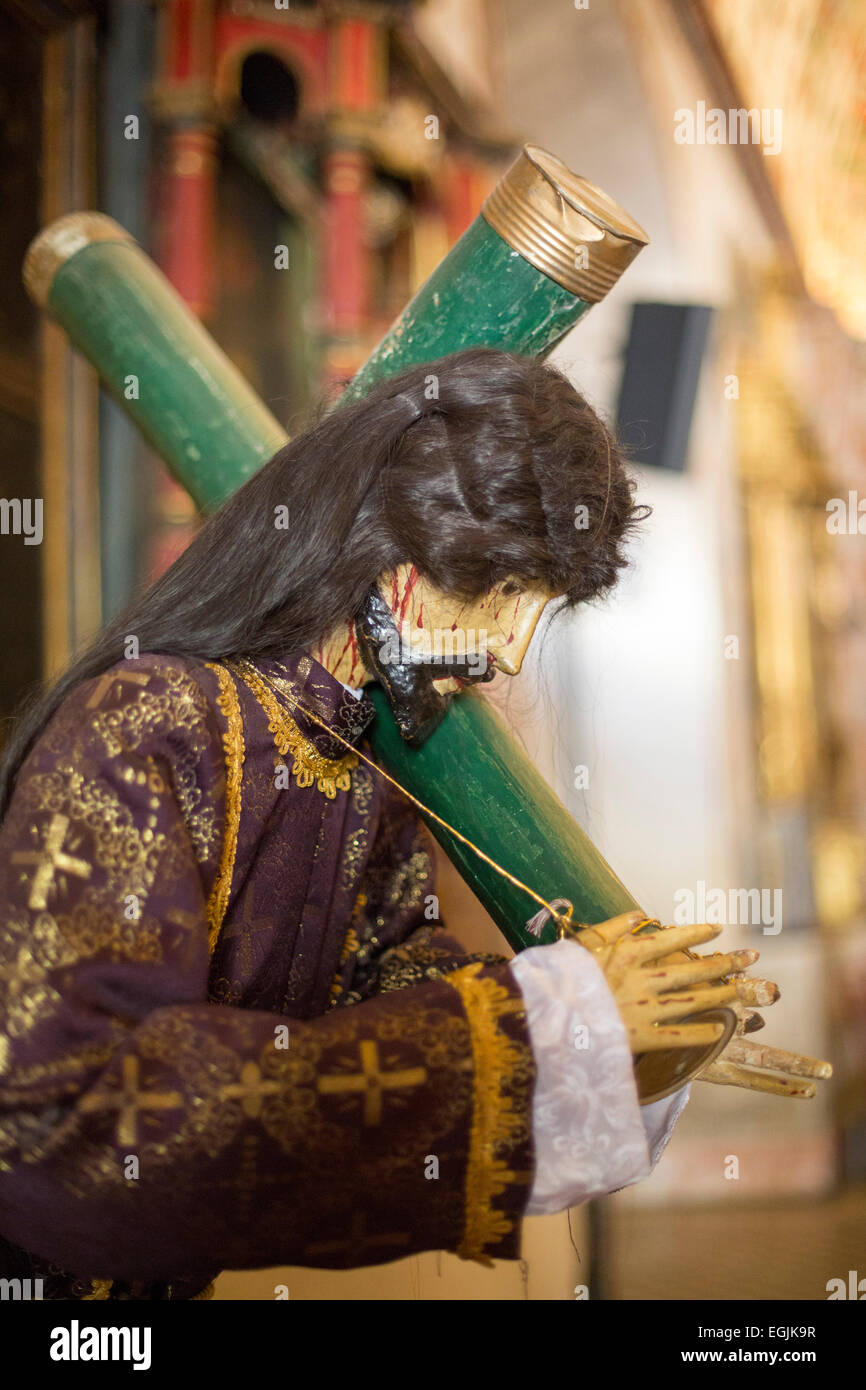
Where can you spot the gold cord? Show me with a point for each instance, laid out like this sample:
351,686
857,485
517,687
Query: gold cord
590,932
563,920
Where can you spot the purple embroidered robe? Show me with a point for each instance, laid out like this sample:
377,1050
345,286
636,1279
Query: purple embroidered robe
229,1037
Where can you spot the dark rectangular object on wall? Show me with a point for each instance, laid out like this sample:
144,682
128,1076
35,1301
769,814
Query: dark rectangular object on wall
662,367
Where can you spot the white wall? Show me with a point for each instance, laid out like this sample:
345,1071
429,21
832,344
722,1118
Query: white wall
643,692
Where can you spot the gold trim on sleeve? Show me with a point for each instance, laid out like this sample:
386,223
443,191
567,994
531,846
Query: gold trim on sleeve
233,746
308,764
494,1121
99,1289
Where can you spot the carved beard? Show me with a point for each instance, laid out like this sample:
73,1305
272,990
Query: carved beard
417,706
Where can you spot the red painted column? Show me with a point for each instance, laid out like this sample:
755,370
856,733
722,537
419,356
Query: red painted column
346,261
188,252
183,98
465,185
356,82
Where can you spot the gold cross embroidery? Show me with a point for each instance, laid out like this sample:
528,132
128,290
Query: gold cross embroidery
50,858
251,1089
129,1100
372,1082
357,1240
114,678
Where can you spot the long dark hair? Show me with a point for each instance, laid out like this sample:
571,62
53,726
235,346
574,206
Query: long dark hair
478,466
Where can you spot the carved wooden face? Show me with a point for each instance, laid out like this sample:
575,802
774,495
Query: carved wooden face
425,646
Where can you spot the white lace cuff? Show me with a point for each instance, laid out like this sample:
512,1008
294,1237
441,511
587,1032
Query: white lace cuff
591,1135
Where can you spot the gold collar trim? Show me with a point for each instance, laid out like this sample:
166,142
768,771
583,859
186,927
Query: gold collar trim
309,765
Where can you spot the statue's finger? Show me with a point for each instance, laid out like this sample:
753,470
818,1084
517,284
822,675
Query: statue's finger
691,1001
605,933
760,992
649,1038
729,1074
747,1020
776,1059
660,943
706,968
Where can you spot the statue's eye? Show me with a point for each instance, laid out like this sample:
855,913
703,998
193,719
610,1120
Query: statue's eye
510,588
